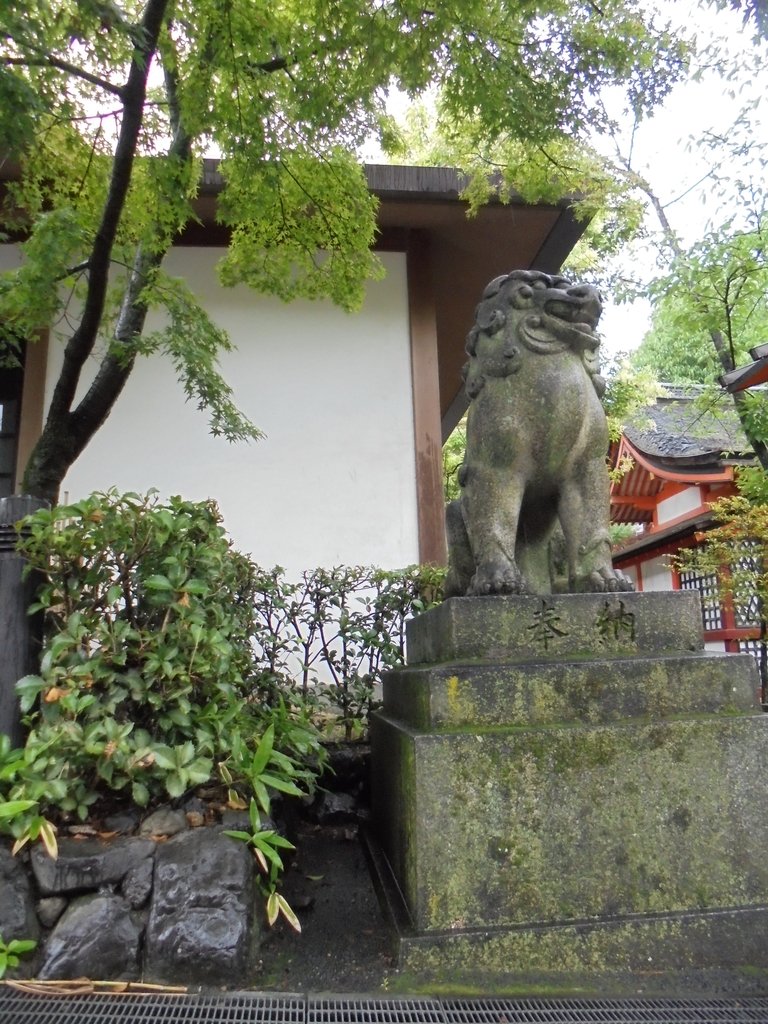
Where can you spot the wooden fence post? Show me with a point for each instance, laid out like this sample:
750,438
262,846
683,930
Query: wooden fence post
20,634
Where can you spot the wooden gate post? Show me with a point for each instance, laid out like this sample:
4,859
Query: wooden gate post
20,634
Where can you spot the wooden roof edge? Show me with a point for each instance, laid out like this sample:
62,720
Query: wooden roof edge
390,181
557,246
746,376
406,181
650,540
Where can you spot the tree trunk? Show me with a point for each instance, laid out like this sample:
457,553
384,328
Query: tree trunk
726,361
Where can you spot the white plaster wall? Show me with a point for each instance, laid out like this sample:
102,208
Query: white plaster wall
334,480
656,574
10,257
678,504
714,645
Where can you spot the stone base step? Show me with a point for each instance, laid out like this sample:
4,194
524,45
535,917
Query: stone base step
690,953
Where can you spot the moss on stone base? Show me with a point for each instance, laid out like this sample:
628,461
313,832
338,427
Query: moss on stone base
578,799
688,951
546,825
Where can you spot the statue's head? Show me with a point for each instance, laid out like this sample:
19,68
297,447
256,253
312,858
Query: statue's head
530,311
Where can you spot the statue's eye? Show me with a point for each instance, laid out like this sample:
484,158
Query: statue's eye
539,285
521,296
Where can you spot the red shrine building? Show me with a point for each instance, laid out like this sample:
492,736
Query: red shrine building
680,459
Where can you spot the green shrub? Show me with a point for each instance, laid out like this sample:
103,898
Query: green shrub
170,660
146,682
11,951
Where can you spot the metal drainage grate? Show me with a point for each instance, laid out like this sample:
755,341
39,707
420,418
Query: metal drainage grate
604,1011
238,1008
374,1011
253,1008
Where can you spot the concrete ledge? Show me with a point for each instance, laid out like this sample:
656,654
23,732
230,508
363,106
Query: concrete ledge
496,828
590,691
692,950
564,792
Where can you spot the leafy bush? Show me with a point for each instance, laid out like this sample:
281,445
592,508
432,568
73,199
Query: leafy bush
330,635
146,683
170,660
12,950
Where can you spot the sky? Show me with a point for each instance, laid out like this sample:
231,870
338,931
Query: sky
663,153
662,150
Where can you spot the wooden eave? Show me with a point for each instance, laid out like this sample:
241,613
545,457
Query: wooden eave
420,208
748,376
647,543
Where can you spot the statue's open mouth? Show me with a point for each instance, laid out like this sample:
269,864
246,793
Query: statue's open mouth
580,315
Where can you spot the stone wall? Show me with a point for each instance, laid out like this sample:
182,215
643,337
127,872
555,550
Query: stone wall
169,898
178,908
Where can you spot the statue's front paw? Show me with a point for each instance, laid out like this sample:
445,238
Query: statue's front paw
496,578
603,581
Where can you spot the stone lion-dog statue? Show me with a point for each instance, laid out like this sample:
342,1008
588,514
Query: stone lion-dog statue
537,441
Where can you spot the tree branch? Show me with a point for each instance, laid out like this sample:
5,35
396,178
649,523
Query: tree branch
116,366
276,64
70,69
81,343
722,349
65,435
640,183
73,271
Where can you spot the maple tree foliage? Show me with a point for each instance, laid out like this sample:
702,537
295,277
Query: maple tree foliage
107,108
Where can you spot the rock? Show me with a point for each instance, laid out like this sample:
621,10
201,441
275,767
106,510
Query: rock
137,884
88,864
197,812
96,938
303,901
163,822
49,910
348,767
201,916
17,912
337,809
126,821
241,822
194,805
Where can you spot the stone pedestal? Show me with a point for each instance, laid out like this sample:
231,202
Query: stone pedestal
570,789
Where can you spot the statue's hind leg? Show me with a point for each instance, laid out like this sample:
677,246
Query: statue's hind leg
461,563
